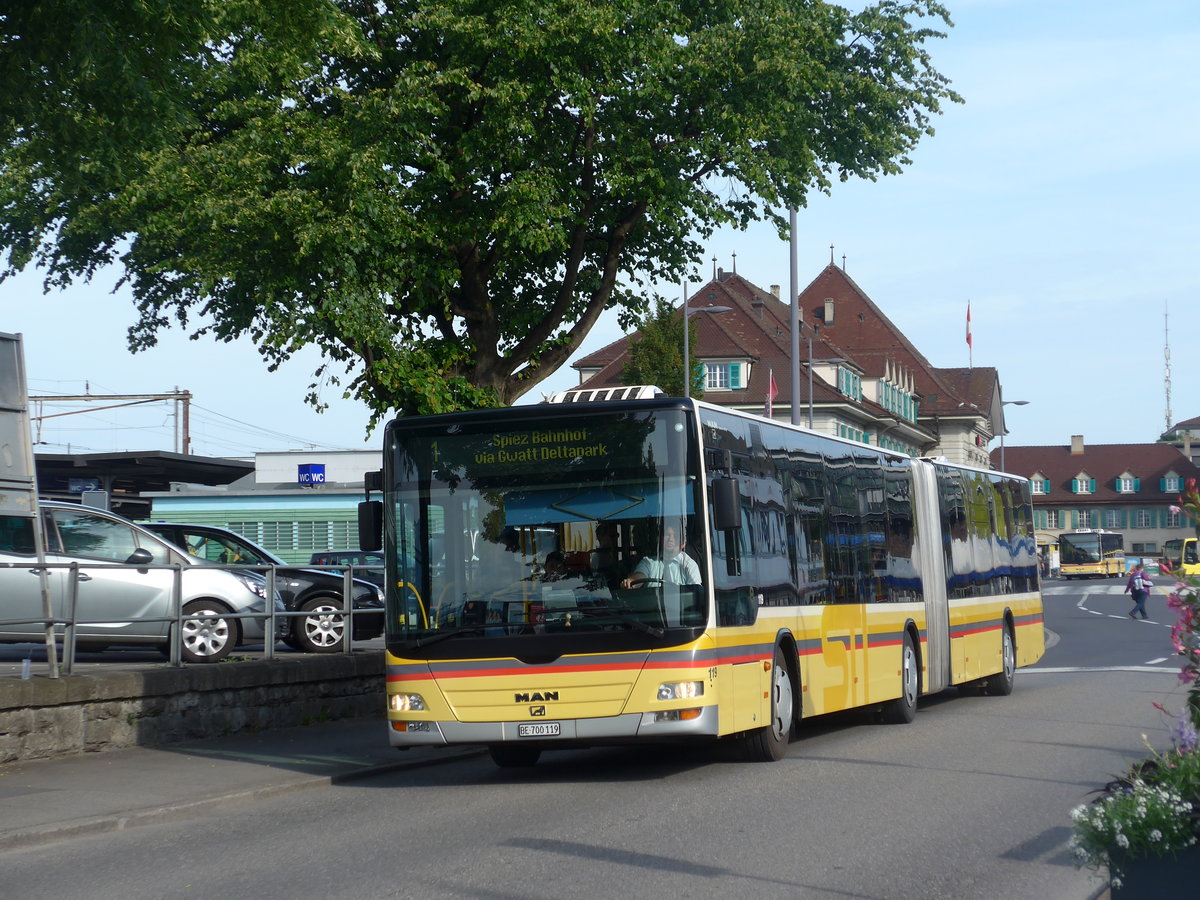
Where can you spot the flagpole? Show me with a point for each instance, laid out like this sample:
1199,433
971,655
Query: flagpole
970,344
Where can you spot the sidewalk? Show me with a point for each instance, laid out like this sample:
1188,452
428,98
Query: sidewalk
47,800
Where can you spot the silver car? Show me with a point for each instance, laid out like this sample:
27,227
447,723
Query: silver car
129,603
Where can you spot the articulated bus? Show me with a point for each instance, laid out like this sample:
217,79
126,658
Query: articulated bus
589,573
1091,554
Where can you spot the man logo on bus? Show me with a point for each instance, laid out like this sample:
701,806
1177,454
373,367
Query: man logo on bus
537,710
535,697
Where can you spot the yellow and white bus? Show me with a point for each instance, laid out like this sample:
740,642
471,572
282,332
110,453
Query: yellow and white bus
1091,553
1180,557
820,575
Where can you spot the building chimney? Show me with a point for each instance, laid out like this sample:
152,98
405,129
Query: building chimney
1077,445
775,291
828,310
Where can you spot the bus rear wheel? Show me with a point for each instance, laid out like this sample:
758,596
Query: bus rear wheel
514,756
903,709
1001,684
769,744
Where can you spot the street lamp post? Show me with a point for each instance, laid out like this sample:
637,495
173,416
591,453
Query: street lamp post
1004,430
687,311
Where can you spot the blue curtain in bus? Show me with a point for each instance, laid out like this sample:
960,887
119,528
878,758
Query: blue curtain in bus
569,504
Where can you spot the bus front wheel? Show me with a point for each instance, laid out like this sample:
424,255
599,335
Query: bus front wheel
769,744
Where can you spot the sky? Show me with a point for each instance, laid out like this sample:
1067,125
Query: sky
1060,200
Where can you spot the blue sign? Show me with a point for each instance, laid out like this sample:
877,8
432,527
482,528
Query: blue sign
311,473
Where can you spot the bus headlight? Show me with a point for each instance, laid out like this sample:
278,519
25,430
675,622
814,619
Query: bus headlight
406,703
681,690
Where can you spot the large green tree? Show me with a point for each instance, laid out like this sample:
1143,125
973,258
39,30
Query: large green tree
443,195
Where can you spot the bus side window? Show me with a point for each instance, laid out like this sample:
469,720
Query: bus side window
1189,552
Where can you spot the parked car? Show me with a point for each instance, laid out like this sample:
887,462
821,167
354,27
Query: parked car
119,595
367,564
309,591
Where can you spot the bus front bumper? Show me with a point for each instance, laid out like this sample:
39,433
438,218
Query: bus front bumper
648,726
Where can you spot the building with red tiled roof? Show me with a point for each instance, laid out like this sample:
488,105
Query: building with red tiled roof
1128,488
860,377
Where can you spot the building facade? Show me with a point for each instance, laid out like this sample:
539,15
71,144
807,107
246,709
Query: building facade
1129,488
860,376
294,504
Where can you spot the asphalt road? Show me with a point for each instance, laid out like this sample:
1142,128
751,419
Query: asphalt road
970,801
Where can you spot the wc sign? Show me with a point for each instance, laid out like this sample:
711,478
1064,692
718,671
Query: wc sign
311,473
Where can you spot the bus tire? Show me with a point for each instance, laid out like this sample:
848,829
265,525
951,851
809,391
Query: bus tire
769,744
1001,684
903,709
514,756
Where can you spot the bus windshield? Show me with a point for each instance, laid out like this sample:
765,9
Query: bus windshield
543,533
1178,552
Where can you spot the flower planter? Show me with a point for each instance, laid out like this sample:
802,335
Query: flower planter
1156,876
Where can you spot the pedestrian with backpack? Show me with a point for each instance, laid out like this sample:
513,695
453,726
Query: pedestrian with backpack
1139,585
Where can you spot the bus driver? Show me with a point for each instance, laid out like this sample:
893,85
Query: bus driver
675,566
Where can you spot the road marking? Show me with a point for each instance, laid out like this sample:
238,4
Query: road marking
1161,659
1067,669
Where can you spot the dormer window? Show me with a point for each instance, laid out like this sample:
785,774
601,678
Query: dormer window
1082,484
1170,483
1128,484
849,383
724,376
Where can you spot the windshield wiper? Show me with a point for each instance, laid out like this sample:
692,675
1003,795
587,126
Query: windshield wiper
443,636
601,612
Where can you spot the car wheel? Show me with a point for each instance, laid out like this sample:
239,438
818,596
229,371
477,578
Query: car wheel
321,628
209,639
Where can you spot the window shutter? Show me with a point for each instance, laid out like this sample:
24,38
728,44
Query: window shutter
1091,485
1074,485
1162,484
735,376
1137,484
1124,518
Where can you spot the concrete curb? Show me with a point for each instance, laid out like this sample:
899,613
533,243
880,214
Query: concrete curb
157,815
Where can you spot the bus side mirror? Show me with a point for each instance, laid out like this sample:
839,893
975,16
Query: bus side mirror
370,525
727,504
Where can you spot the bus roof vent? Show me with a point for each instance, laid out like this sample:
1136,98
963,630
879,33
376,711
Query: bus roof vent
634,392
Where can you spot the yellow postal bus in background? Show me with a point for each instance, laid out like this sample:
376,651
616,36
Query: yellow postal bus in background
538,596
1089,553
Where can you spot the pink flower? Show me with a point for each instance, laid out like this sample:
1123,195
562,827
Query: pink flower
1175,510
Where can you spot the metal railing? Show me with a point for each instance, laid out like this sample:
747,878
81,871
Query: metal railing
61,632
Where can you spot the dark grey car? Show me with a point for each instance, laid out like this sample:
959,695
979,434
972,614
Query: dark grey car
310,591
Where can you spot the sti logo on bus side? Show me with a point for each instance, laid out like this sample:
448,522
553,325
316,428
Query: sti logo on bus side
535,697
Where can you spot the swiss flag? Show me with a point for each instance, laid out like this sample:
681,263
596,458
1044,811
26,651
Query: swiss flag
969,344
772,393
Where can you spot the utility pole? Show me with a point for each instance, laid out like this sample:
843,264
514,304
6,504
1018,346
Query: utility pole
183,440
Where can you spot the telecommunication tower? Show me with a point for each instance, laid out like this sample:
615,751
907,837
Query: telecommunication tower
1167,364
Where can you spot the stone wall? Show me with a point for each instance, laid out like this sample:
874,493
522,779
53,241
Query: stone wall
44,717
